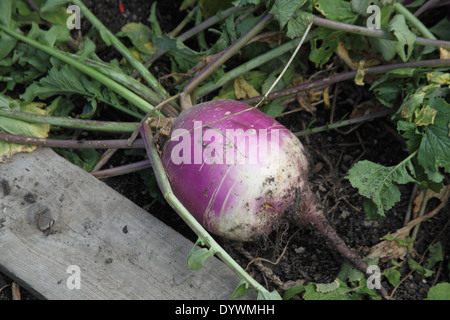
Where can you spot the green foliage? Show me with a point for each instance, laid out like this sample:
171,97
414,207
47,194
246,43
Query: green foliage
350,284
423,120
83,158
441,291
393,276
198,256
377,183
242,288
405,38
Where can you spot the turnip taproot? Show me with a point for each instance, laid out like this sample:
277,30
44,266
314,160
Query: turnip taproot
239,172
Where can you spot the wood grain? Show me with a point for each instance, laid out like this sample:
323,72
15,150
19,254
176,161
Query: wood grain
57,215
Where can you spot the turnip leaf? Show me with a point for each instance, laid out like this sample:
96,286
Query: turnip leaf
242,288
441,291
283,10
434,151
378,182
8,125
198,256
405,44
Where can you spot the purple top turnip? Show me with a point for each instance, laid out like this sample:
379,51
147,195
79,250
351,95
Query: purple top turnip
239,172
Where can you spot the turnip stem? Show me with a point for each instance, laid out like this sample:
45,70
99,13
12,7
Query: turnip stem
72,144
190,33
121,90
110,38
249,65
166,189
344,123
435,63
125,80
125,169
208,23
229,52
335,25
105,126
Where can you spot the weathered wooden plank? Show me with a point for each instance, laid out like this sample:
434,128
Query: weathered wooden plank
121,250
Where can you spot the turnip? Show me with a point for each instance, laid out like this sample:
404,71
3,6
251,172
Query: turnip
239,173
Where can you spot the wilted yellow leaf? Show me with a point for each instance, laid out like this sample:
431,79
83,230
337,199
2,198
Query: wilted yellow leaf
243,89
445,53
9,125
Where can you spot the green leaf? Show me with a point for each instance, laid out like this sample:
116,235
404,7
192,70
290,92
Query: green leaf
184,57
434,151
274,108
242,288
242,3
349,273
371,209
442,29
435,254
324,45
376,181
55,12
414,266
5,12
340,293
360,6
63,79
211,7
154,21
283,10
51,5
393,276
337,10
198,256
441,291
327,287
274,295
139,34
291,292
296,27
405,37
86,159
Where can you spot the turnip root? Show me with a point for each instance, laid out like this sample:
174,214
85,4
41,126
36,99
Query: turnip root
239,172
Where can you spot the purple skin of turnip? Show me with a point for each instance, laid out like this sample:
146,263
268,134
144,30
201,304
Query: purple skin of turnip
239,184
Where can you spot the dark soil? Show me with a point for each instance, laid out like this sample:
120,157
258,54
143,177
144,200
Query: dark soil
307,258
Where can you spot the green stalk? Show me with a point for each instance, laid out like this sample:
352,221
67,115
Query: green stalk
104,126
435,63
110,38
71,144
335,25
121,90
229,52
344,123
128,82
249,65
184,22
413,19
195,226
